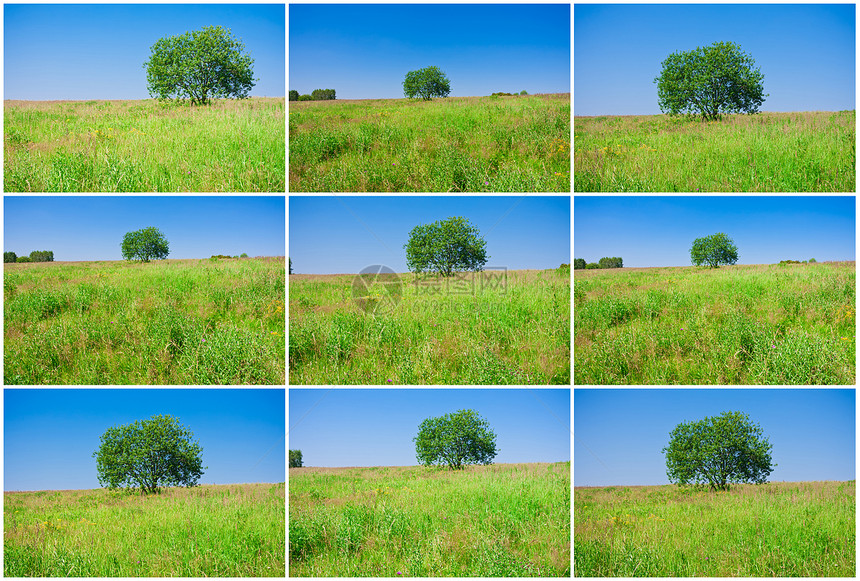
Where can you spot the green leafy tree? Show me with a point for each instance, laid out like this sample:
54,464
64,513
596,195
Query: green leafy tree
42,256
578,263
611,262
294,95
295,458
716,79
456,440
592,266
426,83
323,95
10,256
144,245
717,451
445,246
714,250
290,265
199,65
811,260
149,454
523,92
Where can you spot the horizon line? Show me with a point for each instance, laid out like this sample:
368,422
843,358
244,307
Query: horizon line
674,484
699,115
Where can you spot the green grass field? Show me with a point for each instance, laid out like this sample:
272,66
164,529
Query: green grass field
234,530
766,152
165,322
506,520
779,324
144,146
785,529
512,333
457,144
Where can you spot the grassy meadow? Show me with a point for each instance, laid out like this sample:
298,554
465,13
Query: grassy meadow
766,152
212,321
505,520
234,530
457,144
144,146
767,324
785,529
454,332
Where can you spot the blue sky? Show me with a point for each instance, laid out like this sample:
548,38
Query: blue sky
805,51
97,51
364,51
619,434
660,230
92,227
375,427
49,435
344,234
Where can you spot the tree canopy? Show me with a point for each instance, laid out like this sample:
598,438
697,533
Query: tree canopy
445,246
716,79
426,83
714,250
724,449
199,65
455,439
295,458
145,244
149,454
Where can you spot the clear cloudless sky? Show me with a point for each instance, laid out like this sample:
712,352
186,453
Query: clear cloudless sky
619,434
92,227
375,427
97,51
49,435
659,231
363,51
344,234
805,51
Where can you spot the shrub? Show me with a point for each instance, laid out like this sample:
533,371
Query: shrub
578,263
500,94
10,257
243,255
614,262
294,95
523,92
811,260
305,98
217,256
24,259
592,266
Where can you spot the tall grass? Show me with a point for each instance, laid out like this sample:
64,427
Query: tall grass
144,146
168,322
508,520
781,324
218,531
457,333
786,529
767,152
461,144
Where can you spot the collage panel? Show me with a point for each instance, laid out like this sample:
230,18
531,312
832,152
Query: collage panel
144,98
432,98
715,98
710,482
144,290
144,482
429,290
707,290
442,482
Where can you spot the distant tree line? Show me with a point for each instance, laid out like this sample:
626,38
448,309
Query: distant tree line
500,94
605,262
316,95
35,256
